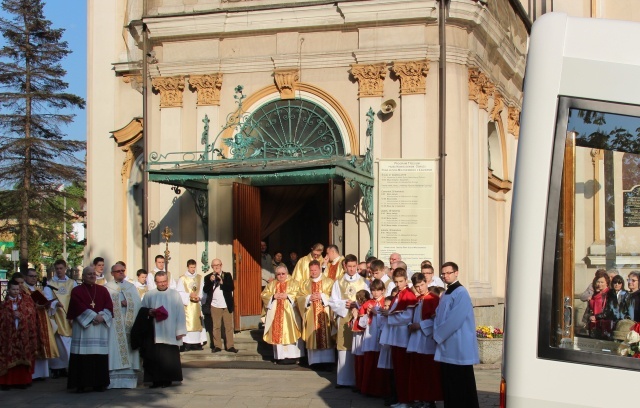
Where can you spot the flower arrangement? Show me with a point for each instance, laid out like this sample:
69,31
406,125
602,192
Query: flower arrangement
633,338
489,332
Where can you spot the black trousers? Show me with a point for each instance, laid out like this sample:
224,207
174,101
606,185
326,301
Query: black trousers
459,386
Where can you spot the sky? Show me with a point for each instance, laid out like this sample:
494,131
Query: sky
72,16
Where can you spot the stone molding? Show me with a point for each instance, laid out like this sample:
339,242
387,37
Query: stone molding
498,106
208,88
513,125
370,78
413,75
480,88
498,185
170,89
127,139
286,82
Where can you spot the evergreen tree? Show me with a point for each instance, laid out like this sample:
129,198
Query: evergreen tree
35,159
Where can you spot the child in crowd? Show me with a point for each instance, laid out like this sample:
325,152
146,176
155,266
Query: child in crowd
362,296
396,334
424,373
375,381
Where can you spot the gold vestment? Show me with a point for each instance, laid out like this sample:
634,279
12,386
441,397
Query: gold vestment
193,310
316,319
283,323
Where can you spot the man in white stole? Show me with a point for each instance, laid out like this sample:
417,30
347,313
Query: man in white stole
190,289
124,363
343,296
59,290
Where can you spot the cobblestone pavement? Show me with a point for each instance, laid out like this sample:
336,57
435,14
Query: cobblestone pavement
246,379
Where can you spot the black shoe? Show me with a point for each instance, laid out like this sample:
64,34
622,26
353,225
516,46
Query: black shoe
183,348
99,389
155,385
338,386
55,374
64,373
232,350
216,350
197,347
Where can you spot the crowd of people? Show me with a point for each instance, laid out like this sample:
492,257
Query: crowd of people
609,303
388,332
102,333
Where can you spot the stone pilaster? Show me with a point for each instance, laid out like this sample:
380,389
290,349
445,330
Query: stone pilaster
208,88
370,78
170,89
286,80
413,75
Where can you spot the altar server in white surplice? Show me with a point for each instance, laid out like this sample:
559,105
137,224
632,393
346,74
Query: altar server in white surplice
124,363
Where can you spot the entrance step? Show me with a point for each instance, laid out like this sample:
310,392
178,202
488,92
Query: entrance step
250,347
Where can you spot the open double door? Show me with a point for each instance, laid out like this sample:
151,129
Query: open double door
246,245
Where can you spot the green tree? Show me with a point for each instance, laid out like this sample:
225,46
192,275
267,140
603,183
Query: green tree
35,158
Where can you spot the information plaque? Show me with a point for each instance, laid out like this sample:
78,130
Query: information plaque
407,215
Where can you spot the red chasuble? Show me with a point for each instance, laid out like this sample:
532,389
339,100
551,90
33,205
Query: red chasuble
94,297
17,345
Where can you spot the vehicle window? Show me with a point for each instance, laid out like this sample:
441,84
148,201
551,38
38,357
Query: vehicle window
596,261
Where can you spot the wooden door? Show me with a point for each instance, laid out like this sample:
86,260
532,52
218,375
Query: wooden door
564,280
336,217
246,251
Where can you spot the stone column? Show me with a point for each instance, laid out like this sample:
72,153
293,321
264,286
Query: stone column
167,210
413,75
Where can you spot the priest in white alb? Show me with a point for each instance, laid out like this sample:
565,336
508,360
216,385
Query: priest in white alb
124,363
162,362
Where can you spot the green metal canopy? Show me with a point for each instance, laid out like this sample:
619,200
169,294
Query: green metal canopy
281,172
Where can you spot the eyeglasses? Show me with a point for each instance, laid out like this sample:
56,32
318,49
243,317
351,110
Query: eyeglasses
214,265
118,270
448,273
632,280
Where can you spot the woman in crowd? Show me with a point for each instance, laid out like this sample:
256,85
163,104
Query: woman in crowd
599,325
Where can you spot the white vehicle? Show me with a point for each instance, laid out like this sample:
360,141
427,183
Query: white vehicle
576,209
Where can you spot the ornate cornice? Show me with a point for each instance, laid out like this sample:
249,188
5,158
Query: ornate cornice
208,88
413,75
480,88
514,121
498,106
170,89
370,78
286,81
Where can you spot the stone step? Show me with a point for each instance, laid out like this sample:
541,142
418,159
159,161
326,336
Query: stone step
250,347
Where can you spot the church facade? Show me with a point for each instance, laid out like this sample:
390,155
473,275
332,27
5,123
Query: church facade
232,122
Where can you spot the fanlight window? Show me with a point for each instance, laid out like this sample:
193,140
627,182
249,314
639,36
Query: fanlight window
287,129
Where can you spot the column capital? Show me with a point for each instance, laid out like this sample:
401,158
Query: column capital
370,78
514,121
286,80
413,75
208,88
170,89
480,88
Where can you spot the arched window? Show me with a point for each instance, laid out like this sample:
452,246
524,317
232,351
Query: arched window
286,129
495,160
